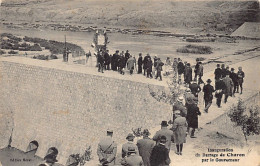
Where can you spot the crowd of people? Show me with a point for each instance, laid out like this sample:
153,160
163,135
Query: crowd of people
121,61
155,151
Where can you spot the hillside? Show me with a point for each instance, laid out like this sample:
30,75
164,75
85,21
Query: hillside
205,15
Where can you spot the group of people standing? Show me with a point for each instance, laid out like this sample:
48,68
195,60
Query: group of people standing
147,151
116,62
227,83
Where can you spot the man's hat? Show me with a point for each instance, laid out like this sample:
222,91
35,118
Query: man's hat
177,112
188,90
146,132
180,98
117,50
163,139
130,136
109,131
209,81
51,155
164,123
232,69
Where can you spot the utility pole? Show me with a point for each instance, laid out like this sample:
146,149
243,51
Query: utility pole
65,53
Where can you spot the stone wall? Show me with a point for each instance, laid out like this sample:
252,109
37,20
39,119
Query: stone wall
69,109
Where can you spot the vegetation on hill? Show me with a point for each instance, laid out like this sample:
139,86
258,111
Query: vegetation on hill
205,15
194,49
9,41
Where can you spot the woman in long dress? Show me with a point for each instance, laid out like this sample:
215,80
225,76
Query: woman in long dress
179,128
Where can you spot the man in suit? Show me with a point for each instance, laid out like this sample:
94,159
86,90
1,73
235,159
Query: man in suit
145,147
195,88
234,78
140,63
217,72
160,153
240,75
107,149
159,69
130,137
228,87
208,96
132,159
179,106
220,87
166,132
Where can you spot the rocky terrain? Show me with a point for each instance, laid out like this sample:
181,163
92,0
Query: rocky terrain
168,15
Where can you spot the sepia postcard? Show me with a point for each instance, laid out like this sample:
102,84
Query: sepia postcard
129,82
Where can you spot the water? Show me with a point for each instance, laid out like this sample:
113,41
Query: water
164,46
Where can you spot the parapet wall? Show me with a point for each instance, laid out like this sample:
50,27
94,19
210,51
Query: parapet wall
70,109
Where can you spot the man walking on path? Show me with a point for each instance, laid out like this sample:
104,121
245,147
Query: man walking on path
240,75
208,96
217,72
234,78
192,118
200,73
145,147
106,150
181,68
188,74
228,87
195,88
130,137
179,106
166,132
179,129
220,87
160,153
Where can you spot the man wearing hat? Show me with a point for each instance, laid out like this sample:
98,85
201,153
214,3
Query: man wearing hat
160,153
132,158
240,75
208,96
50,158
195,88
140,63
179,106
179,129
228,87
130,137
220,87
107,149
234,78
114,60
166,132
145,147
159,69
218,72
189,97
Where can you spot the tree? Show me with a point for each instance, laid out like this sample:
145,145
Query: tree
170,95
247,118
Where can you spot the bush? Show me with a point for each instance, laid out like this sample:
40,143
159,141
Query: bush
2,52
194,49
53,56
41,57
193,40
246,118
12,52
35,47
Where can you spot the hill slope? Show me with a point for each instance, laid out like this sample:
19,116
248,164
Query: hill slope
215,15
